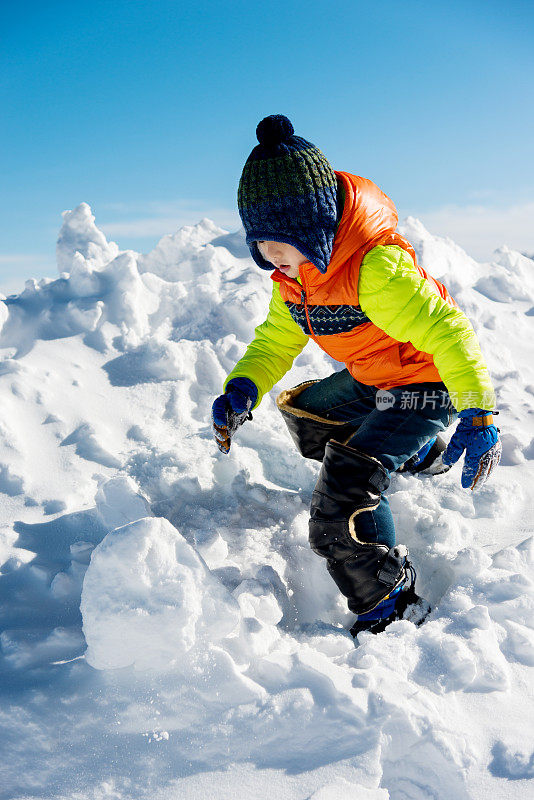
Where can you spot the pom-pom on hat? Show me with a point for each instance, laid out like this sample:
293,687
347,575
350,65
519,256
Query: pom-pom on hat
288,193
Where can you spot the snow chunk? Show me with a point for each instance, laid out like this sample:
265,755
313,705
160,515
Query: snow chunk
118,502
79,234
148,599
256,601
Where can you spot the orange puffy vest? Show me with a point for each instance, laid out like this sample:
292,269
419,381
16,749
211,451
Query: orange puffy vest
327,307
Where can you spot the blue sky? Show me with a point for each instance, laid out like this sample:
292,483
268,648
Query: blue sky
147,111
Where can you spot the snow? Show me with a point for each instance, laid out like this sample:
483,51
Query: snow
165,629
148,598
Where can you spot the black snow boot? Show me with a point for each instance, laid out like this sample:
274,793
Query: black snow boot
349,483
403,603
310,432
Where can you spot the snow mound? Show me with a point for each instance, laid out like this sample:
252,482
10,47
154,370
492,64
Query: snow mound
165,629
148,598
180,256
511,278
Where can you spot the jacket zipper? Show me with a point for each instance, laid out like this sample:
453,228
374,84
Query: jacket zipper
304,299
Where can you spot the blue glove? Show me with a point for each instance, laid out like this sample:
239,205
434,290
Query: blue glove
231,409
478,436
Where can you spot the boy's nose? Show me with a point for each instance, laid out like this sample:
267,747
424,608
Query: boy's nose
272,250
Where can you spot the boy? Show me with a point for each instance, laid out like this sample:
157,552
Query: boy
343,277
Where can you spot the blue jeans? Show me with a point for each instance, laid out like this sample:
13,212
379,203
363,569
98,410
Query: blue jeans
391,425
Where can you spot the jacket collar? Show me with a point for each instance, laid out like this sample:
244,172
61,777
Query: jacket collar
368,217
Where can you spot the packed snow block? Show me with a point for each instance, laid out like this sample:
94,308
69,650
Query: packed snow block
118,502
255,600
148,599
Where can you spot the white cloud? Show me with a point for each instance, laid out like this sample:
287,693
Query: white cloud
482,229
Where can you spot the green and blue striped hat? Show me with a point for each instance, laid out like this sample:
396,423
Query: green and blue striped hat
288,193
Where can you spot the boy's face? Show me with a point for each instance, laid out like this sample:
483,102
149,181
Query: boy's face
285,257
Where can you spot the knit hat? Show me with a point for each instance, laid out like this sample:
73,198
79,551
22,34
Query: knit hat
287,193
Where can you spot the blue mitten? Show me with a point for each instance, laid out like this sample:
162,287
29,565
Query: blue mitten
231,409
478,436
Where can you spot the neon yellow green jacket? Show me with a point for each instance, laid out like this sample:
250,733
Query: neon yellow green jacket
395,297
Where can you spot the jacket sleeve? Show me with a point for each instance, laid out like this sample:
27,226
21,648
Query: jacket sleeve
398,300
277,343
